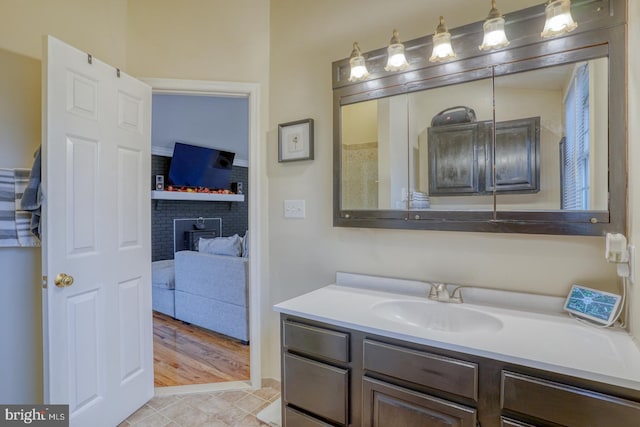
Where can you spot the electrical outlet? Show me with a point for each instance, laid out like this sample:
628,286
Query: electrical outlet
294,209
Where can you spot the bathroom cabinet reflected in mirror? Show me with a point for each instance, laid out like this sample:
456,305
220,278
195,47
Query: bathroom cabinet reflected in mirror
557,107
448,160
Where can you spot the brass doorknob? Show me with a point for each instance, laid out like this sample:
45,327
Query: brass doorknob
63,280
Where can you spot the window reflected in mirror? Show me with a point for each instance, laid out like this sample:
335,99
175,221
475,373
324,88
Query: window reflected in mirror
571,103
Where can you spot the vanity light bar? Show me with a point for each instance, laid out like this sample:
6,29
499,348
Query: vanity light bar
558,21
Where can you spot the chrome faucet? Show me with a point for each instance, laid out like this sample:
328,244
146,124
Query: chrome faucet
439,292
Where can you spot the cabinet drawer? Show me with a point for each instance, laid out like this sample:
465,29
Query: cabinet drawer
564,404
293,418
506,422
389,405
316,341
316,387
431,370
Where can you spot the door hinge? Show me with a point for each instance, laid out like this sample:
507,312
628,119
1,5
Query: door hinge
44,282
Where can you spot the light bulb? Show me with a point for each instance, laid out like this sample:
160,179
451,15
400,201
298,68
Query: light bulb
494,35
358,65
559,19
396,61
442,49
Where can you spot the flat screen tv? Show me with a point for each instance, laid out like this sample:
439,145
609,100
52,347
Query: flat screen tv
193,166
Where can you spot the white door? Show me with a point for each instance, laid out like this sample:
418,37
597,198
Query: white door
98,348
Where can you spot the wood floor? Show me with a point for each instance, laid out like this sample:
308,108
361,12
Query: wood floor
186,355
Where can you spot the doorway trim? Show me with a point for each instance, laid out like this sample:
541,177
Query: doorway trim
251,91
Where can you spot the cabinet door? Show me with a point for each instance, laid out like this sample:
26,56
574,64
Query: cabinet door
517,159
392,406
453,159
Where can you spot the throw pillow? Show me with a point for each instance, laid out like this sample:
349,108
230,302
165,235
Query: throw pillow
231,246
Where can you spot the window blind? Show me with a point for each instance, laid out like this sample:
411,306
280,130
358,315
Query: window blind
574,148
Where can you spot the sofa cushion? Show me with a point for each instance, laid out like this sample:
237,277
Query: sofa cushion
231,245
163,274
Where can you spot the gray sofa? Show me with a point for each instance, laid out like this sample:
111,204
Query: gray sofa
210,291
163,285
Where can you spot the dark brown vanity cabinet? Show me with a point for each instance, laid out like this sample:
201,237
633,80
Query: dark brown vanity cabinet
461,158
315,375
333,376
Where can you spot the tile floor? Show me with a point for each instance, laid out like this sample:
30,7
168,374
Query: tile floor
213,409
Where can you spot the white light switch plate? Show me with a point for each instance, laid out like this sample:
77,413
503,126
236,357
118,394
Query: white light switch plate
294,209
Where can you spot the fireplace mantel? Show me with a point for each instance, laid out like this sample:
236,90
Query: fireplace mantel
203,197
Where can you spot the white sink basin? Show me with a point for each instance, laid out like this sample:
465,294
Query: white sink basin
444,317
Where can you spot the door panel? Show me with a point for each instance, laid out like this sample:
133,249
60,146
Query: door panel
82,95
85,384
82,183
129,213
131,329
130,112
96,228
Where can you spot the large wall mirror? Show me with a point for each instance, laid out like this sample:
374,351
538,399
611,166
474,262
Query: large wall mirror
529,139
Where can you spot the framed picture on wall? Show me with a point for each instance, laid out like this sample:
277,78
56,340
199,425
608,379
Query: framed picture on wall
295,141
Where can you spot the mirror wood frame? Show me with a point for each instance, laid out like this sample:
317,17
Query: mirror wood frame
601,32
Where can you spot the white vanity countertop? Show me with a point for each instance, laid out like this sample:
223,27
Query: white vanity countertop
549,341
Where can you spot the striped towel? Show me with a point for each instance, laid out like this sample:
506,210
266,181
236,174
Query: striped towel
15,224
8,230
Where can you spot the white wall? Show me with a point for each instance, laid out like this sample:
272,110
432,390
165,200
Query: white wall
393,156
207,121
20,312
199,39
306,37
634,156
360,124
97,27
